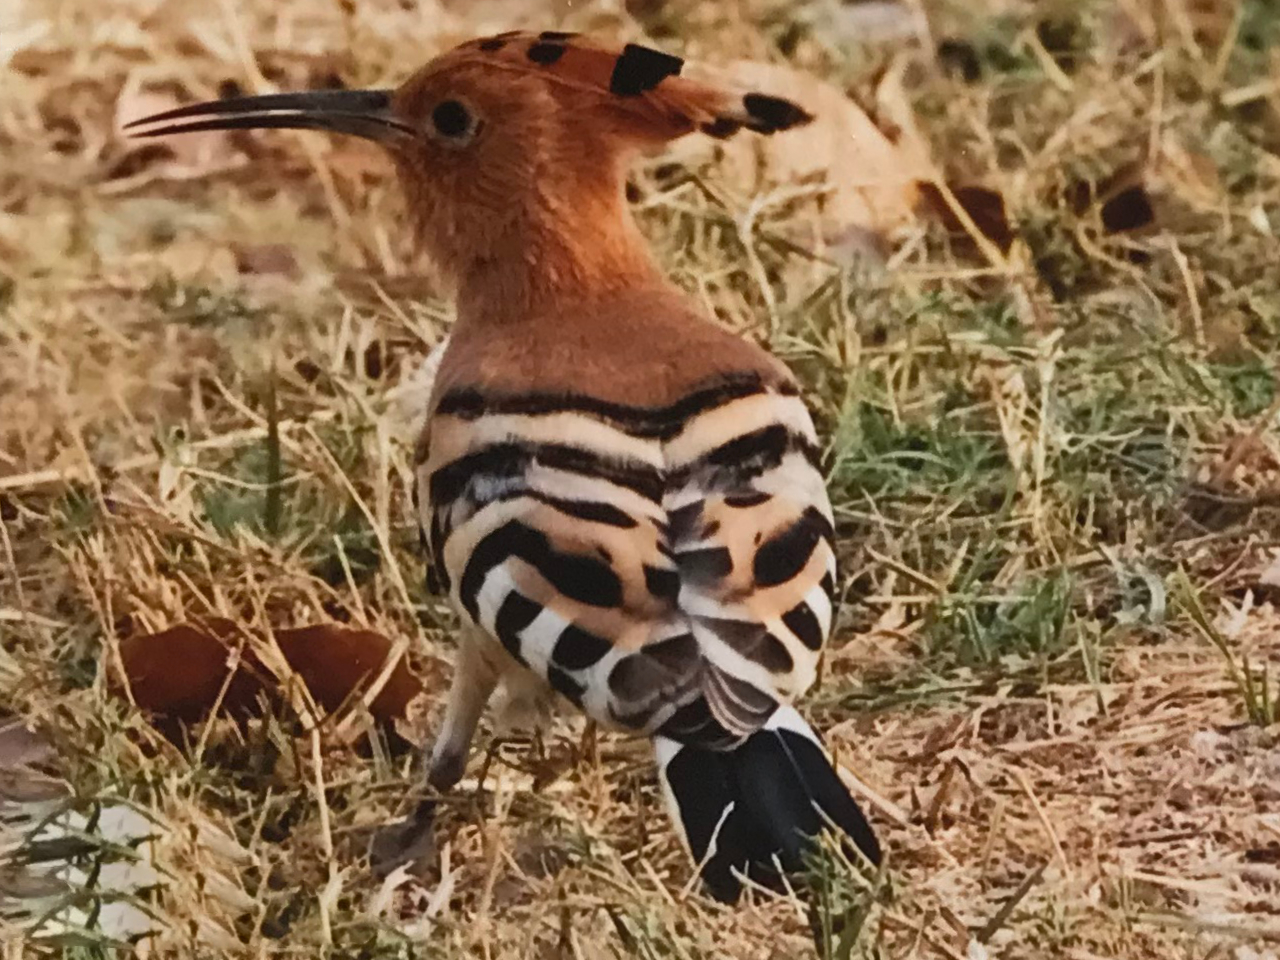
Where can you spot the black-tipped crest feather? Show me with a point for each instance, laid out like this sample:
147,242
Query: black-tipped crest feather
771,114
640,68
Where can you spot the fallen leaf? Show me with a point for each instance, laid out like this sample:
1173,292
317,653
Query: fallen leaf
179,672
176,674
335,662
1121,199
984,206
874,169
19,745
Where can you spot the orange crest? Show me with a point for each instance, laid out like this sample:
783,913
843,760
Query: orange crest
645,94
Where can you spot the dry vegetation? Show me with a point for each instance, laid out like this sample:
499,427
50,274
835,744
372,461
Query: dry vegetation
1055,463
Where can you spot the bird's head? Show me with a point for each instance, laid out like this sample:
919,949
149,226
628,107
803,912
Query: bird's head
512,150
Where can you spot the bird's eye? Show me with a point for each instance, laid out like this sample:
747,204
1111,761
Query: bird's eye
453,120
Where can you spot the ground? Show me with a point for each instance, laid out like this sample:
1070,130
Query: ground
1054,458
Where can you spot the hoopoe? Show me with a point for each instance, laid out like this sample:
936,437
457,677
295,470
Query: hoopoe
622,499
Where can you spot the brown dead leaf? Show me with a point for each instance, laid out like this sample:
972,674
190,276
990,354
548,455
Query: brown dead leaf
335,663
878,170
266,258
20,745
1120,199
984,206
871,167
176,675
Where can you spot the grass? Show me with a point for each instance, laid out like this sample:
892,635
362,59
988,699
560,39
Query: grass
1056,476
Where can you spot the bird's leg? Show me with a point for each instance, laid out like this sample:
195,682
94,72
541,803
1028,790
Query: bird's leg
589,745
494,746
539,746
474,678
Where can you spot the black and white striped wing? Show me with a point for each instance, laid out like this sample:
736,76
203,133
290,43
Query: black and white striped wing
669,569
750,531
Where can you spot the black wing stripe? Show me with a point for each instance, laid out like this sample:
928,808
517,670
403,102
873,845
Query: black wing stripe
577,649
588,580
593,511
515,613
767,445
694,723
743,501
802,621
735,463
828,585
662,583
751,640
784,555
663,668
438,580
656,423
682,521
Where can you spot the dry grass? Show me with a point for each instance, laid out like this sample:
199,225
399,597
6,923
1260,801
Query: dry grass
1057,475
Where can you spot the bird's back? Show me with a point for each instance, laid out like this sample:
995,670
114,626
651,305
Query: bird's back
627,498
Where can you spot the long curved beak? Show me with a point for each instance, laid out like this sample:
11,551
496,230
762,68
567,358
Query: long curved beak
359,113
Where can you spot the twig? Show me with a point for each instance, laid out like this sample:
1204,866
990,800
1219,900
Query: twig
1044,820
992,926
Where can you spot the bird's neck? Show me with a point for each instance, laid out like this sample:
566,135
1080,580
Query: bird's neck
561,254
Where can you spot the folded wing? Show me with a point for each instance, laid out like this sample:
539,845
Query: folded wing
669,569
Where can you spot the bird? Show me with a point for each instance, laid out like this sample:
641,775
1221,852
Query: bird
622,499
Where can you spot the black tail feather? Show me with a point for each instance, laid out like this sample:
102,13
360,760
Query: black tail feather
749,811
701,788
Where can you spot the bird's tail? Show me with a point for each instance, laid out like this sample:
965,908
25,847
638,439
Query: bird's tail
749,811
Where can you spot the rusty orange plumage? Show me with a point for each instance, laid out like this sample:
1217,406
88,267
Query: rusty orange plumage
622,499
